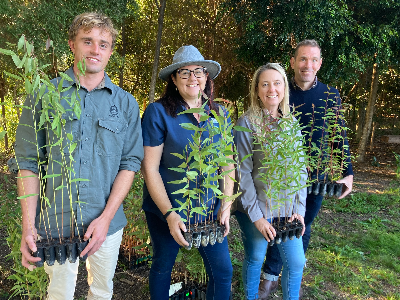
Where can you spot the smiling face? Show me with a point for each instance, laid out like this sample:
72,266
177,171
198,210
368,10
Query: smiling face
94,46
306,65
271,90
189,88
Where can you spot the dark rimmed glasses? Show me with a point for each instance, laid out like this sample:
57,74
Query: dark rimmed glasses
198,73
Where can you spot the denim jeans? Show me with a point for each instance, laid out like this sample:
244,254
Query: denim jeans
273,263
255,246
216,261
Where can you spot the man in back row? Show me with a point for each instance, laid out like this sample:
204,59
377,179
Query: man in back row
306,93
108,153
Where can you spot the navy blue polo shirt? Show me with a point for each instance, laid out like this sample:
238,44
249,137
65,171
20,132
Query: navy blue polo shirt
158,127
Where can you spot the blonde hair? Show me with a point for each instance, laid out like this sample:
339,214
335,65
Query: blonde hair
256,107
87,21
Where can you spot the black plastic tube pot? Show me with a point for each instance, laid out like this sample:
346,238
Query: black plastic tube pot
330,189
82,245
322,188
188,238
338,189
49,254
61,253
316,188
196,239
205,236
220,233
39,253
213,235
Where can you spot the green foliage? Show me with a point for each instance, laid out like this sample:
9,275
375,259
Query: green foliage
327,157
202,158
32,284
358,255
397,157
284,159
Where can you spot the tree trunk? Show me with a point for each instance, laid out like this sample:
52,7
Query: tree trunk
369,115
371,144
3,108
123,53
161,10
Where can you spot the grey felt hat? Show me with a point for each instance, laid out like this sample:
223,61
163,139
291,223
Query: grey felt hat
186,56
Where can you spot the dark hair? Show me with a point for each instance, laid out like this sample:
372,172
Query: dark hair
171,99
311,43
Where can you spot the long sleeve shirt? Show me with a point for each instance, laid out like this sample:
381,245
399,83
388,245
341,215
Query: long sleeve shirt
108,139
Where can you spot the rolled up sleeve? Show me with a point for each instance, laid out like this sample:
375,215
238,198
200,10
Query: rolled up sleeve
132,153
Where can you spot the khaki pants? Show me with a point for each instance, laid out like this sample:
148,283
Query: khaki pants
100,267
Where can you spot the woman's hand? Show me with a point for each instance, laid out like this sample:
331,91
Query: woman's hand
224,214
175,225
301,219
266,229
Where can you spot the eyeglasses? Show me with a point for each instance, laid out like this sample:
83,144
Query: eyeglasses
198,73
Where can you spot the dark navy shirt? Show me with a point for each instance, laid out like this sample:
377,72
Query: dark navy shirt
158,128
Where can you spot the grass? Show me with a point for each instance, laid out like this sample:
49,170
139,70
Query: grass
354,251
355,247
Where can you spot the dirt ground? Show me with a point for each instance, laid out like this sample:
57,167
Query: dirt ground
372,176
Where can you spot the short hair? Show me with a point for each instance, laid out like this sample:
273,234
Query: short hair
255,103
87,21
311,43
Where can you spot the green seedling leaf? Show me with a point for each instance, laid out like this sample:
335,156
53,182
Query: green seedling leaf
51,176
79,179
26,196
178,155
13,75
26,176
16,60
180,170
7,52
3,134
60,187
241,128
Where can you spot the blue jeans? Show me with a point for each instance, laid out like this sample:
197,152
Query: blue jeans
216,261
255,246
273,263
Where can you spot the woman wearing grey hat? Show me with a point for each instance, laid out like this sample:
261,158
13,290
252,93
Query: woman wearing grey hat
188,78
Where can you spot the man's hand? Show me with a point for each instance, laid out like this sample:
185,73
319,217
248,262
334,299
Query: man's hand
266,229
175,225
27,245
223,216
97,232
301,219
348,185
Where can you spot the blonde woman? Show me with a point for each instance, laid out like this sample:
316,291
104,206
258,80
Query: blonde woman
269,101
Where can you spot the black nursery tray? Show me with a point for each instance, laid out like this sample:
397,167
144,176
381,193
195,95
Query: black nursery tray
204,234
286,230
322,188
50,251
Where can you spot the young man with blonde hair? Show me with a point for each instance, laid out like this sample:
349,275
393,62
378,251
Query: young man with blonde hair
108,153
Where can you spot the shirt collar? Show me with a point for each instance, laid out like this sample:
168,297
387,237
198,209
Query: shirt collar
296,87
105,82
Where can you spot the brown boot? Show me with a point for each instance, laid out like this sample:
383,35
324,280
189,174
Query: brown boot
266,288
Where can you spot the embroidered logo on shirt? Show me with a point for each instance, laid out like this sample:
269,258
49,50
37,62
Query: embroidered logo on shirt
113,111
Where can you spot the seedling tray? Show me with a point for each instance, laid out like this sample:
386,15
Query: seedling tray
326,188
203,234
286,230
53,250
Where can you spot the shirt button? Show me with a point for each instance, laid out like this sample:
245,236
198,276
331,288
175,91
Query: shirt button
86,139
85,162
83,185
87,115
